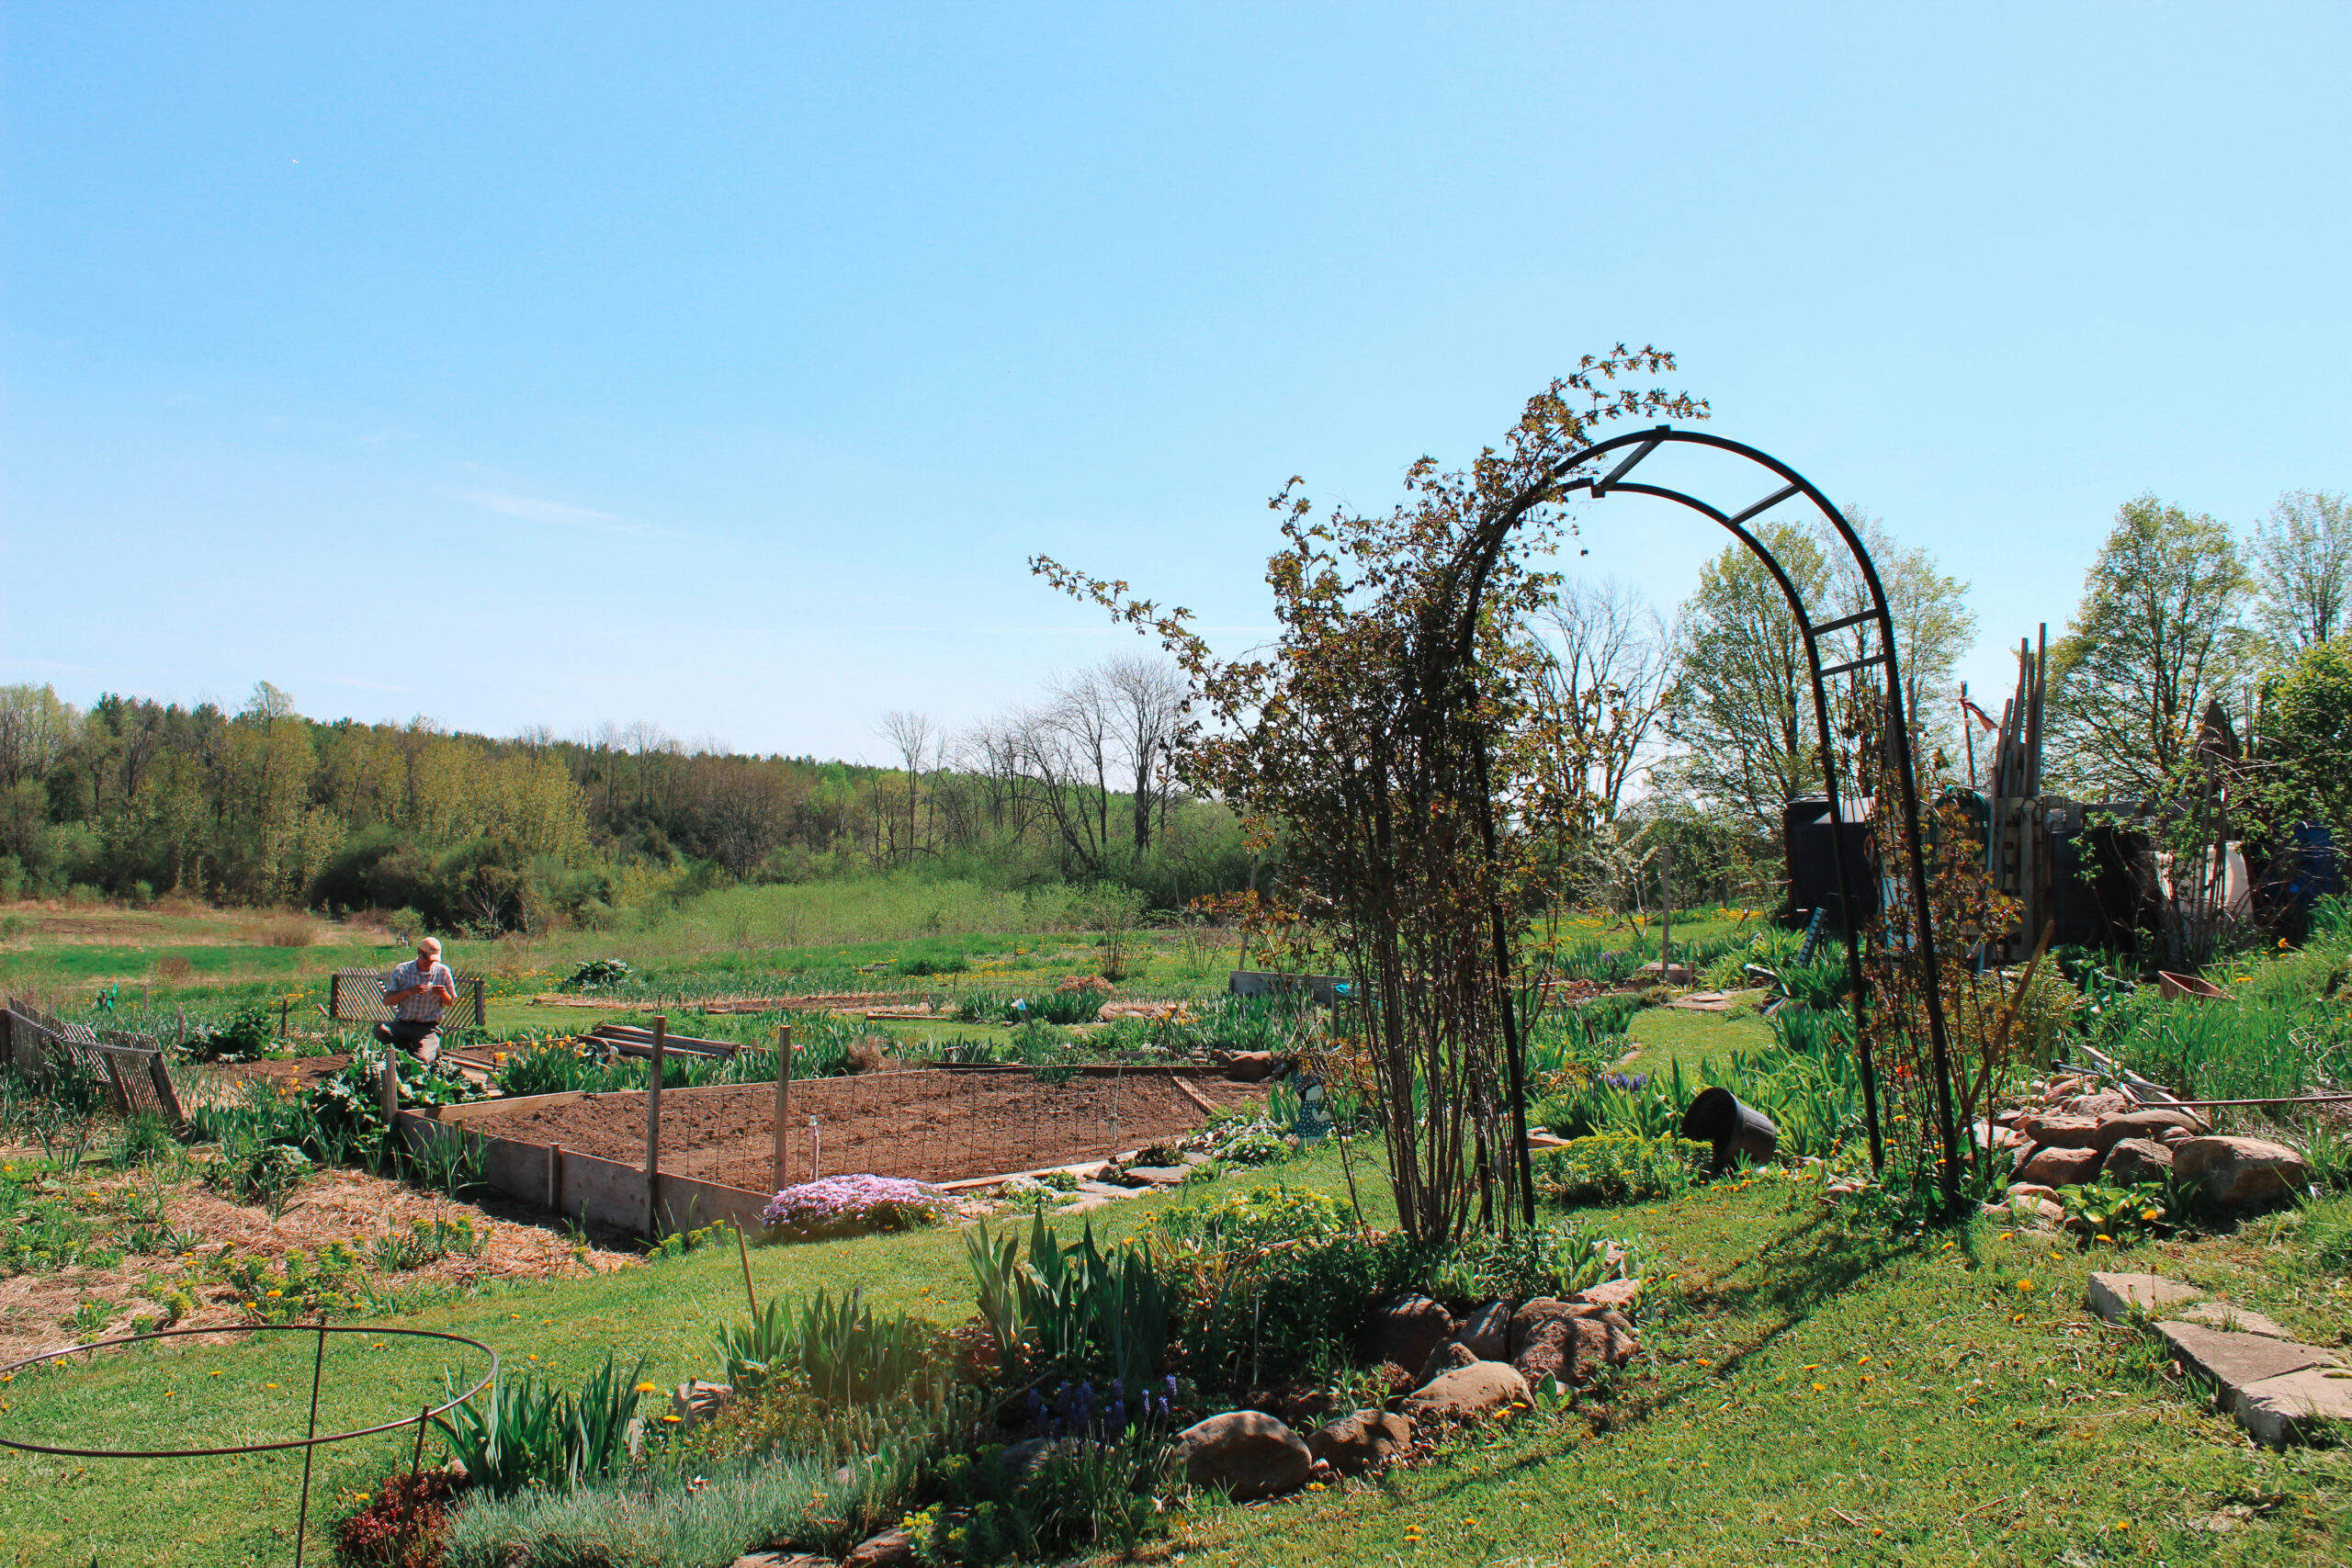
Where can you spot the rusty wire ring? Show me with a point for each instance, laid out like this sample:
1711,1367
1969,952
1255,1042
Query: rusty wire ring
441,1409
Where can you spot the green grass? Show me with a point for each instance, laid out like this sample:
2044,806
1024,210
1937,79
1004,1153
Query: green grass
1667,1035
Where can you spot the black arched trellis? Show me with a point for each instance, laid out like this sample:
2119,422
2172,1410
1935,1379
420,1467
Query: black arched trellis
1563,479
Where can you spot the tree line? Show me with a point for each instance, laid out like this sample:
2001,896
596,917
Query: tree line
137,799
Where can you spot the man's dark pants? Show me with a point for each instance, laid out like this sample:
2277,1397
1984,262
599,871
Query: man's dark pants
412,1035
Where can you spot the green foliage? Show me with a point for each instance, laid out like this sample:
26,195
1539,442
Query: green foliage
523,1430
2238,1049
1078,1496
2115,1214
1070,1307
1619,1167
840,1351
1258,1218
297,1285
598,975
1555,1259
428,1241
266,1174
244,1034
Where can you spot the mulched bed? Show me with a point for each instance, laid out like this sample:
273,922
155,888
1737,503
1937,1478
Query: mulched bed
928,1126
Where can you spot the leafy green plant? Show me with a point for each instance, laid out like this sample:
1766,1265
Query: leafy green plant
524,1430
1618,1168
2108,1213
426,1243
1071,1307
1556,1259
244,1034
1078,1496
598,975
1257,1218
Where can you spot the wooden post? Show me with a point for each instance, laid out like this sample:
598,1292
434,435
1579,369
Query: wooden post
392,1088
783,1099
654,1131
482,1012
335,995
1665,909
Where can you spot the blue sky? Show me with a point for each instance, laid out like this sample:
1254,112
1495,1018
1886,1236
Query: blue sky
721,367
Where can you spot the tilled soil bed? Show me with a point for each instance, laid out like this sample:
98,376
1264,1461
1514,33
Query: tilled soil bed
926,1125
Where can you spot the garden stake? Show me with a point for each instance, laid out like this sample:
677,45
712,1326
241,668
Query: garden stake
743,1251
653,1128
310,1450
783,1098
408,1515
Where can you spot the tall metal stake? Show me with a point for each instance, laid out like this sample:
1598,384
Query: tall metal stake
310,1450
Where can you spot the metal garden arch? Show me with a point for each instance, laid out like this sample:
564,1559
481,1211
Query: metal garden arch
1788,485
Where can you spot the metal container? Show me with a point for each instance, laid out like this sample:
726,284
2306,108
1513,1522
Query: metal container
1716,1117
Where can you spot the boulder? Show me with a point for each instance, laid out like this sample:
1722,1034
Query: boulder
1486,1332
1249,1067
1996,1135
695,1402
1365,1440
2030,1190
2241,1171
2106,1102
1571,1341
891,1549
2134,1160
2059,1129
1244,1451
1404,1331
2057,1166
1448,1357
1618,1294
1482,1388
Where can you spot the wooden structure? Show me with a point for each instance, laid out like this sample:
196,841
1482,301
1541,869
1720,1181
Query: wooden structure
130,1066
356,996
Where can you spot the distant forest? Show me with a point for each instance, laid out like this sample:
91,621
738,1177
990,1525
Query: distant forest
136,799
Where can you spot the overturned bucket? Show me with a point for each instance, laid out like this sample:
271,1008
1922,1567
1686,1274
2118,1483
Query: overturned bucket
1717,1118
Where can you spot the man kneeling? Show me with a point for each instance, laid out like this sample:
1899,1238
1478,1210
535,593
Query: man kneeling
417,993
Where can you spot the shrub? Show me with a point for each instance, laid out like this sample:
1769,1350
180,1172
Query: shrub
1558,1259
1261,1217
1618,1168
849,1205
598,975
1071,1307
245,1034
1078,1496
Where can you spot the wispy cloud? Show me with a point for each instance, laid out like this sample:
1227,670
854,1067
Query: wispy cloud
507,503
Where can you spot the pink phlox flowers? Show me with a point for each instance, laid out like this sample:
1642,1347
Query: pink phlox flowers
840,1203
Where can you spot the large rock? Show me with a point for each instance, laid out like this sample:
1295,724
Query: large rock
1485,1332
1249,1453
2135,1160
2060,1167
1365,1440
1571,1341
2061,1131
1618,1294
1404,1333
1449,1357
891,1549
1482,1388
2242,1171
1249,1067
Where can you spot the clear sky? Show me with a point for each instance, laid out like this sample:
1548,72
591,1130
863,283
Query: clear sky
721,366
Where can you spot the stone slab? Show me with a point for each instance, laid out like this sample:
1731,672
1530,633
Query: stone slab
2234,1361
1158,1175
1108,1190
2116,1297
2278,1410
2232,1319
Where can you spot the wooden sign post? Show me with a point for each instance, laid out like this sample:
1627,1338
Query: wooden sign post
783,1099
653,1132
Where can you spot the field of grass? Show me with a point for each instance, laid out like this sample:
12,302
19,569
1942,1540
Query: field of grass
1813,1386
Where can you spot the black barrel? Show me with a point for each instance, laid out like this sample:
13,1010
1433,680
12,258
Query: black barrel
1717,1118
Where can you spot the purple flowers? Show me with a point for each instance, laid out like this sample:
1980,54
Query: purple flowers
841,1204
1080,1410
1626,1080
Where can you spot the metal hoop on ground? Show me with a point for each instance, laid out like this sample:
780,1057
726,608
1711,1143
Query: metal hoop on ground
310,1442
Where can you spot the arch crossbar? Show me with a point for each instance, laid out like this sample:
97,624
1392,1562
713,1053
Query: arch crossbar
1874,626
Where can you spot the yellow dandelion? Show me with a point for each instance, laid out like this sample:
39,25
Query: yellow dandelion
670,1420
2025,1286
1821,1388
645,1388
269,1385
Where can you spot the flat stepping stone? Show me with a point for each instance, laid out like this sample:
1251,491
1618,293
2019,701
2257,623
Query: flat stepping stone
2232,1319
2116,1297
1158,1175
1085,1204
1106,1190
2234,1361
2281,1409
